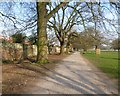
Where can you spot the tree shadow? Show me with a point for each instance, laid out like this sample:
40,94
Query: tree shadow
85,87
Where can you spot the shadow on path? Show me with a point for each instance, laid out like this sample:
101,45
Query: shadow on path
67,77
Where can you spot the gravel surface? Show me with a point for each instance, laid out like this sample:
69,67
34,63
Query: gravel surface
73,75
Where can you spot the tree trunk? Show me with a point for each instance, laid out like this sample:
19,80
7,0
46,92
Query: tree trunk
61,47
42,18
96,47
41,33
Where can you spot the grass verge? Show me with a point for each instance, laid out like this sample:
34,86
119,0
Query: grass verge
107,61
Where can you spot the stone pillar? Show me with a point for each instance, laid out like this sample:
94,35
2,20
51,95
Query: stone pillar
98,51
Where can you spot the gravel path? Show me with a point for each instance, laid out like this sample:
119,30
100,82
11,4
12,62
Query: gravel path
74,75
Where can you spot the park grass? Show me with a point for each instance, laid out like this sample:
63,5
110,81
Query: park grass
107,61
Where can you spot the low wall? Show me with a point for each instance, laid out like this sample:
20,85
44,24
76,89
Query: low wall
14,52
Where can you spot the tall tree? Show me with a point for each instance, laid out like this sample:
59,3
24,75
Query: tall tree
42,18
96,35
116,44
72,37
63,22
87,39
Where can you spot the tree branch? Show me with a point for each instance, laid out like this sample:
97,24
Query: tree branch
56,9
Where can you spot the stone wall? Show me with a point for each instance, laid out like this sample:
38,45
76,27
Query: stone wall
15,52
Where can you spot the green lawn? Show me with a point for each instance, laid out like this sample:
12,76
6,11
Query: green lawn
106,61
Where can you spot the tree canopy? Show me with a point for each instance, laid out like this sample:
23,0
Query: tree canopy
116,44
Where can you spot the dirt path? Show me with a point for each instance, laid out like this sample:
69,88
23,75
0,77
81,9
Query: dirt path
73,75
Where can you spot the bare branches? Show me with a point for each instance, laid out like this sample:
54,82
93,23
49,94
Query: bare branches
10,18
55,10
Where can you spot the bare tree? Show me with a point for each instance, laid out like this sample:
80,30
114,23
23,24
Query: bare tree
116,44
39,17
62,24
42,19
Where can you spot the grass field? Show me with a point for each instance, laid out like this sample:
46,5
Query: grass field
106,61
